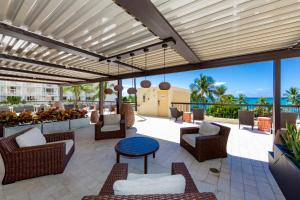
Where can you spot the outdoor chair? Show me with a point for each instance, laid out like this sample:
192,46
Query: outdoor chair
246,118
198,114
120,172
288,118
205,147
28,162
110,126
175,113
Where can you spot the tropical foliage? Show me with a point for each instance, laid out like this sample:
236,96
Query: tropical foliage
293,95
13,100
265,110
292,141
202,89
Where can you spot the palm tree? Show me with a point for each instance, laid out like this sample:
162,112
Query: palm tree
220,91
262,101
87,89
202,88
292,95
227,99
242,99
75,89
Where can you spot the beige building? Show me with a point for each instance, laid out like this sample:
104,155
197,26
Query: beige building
155,102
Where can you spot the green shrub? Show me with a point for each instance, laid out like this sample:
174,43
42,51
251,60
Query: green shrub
13,100
223,111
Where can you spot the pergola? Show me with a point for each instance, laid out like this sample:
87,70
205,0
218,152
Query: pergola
68,42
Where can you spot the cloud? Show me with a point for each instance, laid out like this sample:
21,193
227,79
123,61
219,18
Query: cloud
261,89
219,83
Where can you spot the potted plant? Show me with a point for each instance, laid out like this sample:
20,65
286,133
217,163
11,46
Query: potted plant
284,163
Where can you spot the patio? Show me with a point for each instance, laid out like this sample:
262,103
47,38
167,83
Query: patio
244,174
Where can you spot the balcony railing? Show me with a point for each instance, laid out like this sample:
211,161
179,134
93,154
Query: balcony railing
267,108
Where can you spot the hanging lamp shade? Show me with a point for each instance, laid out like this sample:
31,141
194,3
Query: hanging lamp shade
118,88
132,90
108,90
164,85
145,83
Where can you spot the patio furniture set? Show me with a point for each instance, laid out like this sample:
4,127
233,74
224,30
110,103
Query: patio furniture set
31,154
265,123
196,114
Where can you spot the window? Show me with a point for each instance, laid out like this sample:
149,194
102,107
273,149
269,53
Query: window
144,98
12,90
49,91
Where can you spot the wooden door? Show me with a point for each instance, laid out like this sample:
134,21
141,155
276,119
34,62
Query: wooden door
162,103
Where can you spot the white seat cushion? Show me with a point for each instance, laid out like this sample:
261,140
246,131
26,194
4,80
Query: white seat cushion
173,184
207,129
132,176
32,137
111,119
106,128
190,138
69,144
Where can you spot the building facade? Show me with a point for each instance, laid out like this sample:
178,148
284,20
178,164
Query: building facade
156,102
29,91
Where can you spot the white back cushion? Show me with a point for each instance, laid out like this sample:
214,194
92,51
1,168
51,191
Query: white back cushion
207,129
32,137
132,176
112,119
173,184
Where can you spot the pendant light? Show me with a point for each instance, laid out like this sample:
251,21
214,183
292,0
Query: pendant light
118,88
146,83
164,85
108,90
132,90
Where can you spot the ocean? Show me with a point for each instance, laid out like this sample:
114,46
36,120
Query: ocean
253,100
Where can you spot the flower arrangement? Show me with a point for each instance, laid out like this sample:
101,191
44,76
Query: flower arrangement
8,118
25,117
53,114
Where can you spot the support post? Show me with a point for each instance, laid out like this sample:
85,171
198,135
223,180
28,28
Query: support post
135,97
276,94
101,97
119,98
61,93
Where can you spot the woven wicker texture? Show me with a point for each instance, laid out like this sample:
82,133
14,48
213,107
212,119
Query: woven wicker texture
207,147
120,172
29,162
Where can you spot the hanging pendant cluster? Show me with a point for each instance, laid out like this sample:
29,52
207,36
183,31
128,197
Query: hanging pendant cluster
118,88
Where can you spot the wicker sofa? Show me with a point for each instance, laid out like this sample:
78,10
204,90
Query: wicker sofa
206,147
120,171
34,161
101,134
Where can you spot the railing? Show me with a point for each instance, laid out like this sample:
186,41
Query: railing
188,107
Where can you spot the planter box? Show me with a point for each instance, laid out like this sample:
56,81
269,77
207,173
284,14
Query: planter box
285,171
79,123
7,131
56,126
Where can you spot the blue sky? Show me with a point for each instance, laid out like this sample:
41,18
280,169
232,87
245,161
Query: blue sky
254,80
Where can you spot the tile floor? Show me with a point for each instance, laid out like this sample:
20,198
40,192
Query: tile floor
244,173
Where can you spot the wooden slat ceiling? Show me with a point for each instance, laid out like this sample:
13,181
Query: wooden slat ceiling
212,29
223,28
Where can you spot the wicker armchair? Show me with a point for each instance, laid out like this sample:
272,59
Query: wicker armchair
120,171
100,134
206,147
175,113
246,118
198,114
29,162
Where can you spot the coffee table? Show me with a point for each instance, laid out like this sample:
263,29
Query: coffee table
134,147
